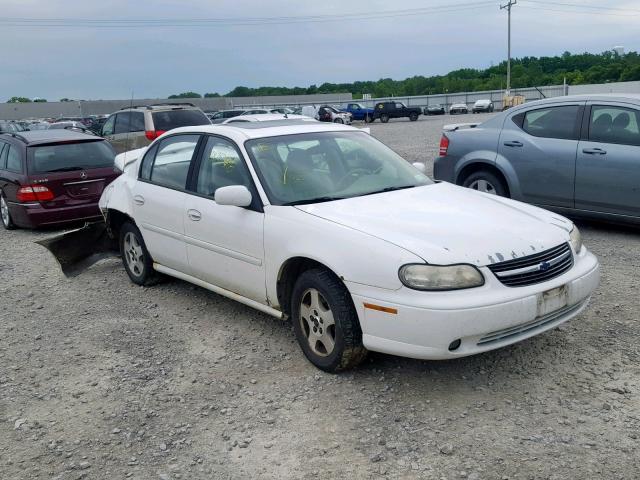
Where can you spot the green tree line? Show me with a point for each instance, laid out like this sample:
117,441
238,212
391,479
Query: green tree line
525,72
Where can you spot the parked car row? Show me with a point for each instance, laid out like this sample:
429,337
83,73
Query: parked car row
458,271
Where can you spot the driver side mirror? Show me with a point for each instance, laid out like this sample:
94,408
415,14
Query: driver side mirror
233,195
420,167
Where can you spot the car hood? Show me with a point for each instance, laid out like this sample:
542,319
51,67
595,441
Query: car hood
445,224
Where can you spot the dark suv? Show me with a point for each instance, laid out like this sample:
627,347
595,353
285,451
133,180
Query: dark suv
52,176
137,126
386,110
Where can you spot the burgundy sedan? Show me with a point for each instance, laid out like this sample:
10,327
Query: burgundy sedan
51,177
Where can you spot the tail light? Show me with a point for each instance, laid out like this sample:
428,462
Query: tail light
153,134
444,145
34,193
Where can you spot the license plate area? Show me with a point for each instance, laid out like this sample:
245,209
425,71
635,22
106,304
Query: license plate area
88,189
552,300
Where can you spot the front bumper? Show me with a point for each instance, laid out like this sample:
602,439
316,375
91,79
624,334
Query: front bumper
483,319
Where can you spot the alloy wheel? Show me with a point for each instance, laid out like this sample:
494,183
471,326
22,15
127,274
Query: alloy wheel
483,186
318,324
133,254
4,211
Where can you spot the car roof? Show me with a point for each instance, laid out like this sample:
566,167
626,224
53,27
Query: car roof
267,117
38,137
602,97
241,131
160,106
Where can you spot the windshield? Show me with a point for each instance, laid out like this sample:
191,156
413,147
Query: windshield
70,156
323,166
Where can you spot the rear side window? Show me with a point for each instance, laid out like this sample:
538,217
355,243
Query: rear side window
552,122
13,159
609,124
123,123
178,118
3,155
171,165
67,157
137,122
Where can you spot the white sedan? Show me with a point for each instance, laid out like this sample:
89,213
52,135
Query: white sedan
325,225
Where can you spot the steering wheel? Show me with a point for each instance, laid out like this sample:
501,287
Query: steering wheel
353,174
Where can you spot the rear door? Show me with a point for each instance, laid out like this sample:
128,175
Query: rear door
159,199
540,146
225,243
76,173
608,163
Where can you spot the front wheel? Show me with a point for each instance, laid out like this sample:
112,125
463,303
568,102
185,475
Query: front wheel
7,222
325,322
135,256
338,120
413,117
487,182
384,118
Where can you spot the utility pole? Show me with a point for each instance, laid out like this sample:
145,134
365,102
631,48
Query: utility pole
508,6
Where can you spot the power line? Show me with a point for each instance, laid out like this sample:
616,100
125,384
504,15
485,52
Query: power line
237,21
578,5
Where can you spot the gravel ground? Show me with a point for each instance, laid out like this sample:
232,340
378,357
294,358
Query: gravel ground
101,379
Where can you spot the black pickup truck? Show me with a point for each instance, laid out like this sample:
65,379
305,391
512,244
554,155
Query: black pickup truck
386,110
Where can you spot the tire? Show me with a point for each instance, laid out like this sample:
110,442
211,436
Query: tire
413,117
319,298
486,181
135,256
338,120
384,118
7,222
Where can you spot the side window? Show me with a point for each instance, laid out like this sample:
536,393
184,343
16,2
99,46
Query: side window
171,165
4,148
609,124
147,161
13,159
552,122
137,122
221,166
123,123
399,105
107,128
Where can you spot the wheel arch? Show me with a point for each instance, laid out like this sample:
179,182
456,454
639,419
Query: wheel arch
476,166
289,272
114,220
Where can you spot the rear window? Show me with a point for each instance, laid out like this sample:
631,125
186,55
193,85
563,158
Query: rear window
178,118
70,156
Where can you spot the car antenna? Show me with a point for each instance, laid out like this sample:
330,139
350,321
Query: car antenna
126,139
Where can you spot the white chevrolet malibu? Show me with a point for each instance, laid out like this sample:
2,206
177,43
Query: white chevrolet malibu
325,225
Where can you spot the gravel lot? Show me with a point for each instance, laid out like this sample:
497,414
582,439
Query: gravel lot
101,379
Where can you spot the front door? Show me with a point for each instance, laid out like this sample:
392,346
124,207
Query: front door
540,145
225,243
608,164
159,199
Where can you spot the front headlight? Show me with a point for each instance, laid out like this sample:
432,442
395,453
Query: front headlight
576,239
437,277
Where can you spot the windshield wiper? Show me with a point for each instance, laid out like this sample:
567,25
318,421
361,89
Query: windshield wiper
66,169
389,189
312,200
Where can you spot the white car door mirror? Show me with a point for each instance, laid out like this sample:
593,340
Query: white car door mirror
420,166
233,195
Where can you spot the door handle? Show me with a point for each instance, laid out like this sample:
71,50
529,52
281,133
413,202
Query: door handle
513,143
194,215
138,199
594,151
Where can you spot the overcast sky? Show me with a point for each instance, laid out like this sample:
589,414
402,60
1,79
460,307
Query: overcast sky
110,63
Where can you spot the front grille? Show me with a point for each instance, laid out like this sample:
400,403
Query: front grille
537,324
536,268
